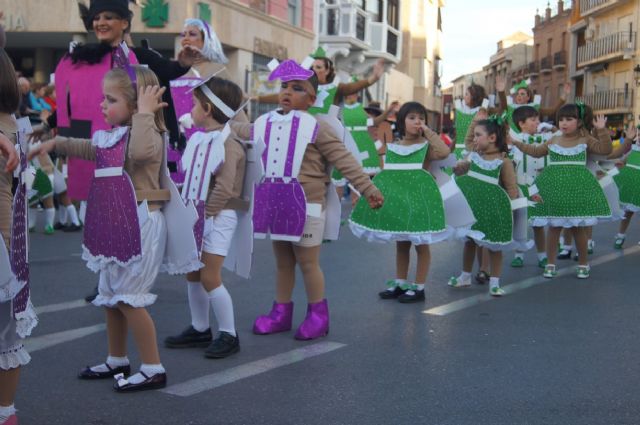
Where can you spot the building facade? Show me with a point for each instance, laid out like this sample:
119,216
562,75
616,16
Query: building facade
39,32
604,53
514,52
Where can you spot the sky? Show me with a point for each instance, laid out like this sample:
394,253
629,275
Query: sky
472,28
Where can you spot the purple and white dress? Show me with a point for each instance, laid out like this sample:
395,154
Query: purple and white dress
280,206
112,228
17,315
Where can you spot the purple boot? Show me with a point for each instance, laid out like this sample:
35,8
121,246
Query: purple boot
316,324
278,320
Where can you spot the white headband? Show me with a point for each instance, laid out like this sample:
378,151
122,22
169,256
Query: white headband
226,110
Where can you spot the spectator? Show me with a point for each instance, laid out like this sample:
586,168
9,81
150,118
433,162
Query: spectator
36,98
50,97
25,109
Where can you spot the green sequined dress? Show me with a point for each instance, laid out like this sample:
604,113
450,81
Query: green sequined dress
628,181
570,193
413,208
462,121
356,121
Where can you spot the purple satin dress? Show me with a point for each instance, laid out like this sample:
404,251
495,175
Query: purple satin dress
112,229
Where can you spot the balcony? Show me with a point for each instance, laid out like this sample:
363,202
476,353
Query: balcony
545,65
533,69
386,42
609,47
610,101
344,24
560,60
590,7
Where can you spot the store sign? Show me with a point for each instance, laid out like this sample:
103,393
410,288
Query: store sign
15,22
204,12
269,49
155,13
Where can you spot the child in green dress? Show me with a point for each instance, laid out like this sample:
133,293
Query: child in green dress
488,181
413,212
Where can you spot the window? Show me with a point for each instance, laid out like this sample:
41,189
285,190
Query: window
392,13
293,8
373,7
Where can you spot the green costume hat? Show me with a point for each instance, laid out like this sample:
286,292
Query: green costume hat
524,84
320,53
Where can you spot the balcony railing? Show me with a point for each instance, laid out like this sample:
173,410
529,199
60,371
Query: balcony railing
589,6
607,47
533,68
344,20
545,64
618,100
559,60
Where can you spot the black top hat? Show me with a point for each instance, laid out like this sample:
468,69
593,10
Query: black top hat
119,7
373,108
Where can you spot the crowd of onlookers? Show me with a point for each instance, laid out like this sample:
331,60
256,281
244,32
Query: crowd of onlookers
37,100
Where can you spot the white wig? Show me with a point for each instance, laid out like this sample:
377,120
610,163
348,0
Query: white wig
212,48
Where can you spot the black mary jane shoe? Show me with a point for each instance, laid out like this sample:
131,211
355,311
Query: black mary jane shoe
154,382
408,297
391,295
190,337
72,228
87,373
223,346
482,277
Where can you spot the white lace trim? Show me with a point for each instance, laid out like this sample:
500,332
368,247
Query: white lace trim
134,300
485,164
339,183
9,290
98,263
276,116
405,150
565,221
568,151
371,170
630,207
105,139
14,357
506,246
185,82
26,320
191,265
352,106
418,238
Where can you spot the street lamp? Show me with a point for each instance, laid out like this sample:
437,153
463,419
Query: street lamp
636,75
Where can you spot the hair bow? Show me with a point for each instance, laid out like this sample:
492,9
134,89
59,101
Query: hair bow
580,105
497,119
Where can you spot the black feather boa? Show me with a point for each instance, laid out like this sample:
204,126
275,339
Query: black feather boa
90,53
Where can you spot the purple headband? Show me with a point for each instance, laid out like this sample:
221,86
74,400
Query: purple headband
289,70
121,61
206,26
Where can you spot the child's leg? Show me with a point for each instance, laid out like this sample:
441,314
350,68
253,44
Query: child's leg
581,237
116,332
468,255
8,386
72,213
539,239
624,224
218,295
403,257
424,261
286,270
308,258
496,271
553,236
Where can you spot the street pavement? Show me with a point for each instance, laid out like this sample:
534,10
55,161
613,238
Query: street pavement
561,351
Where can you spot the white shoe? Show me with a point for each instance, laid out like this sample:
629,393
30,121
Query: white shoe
458,282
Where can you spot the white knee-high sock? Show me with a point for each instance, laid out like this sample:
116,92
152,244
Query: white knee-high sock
199,306
6,412
32,217
73,214
50,216
62,215
223,309
83,210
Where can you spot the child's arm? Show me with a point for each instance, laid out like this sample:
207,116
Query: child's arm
345,89
146,143
8,151
242,129
468,139
383,117
508,178
66,146
271,99
601,144
438,149
535,150
551,112
234,163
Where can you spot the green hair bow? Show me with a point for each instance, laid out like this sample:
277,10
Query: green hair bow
580,105
497,119
524,84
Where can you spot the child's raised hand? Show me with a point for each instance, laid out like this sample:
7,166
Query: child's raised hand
600,121
9,152
150,99
482,114
45,147
375,200
378,70
631,131
461,168
566,90
501,83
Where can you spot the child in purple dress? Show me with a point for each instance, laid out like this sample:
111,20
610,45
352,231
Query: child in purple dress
125,231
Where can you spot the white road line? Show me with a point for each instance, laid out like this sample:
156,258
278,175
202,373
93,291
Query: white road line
474,300
218,379
46,341
69,305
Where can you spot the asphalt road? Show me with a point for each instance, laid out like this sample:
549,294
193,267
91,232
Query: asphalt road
561,351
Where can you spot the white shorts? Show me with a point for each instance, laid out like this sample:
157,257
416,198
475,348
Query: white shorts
313,232
218,232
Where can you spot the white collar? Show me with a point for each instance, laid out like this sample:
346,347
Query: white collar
276,116
105,139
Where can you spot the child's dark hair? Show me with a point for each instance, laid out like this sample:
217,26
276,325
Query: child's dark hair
9,92
314,82
406,109
495,125
583,113
477,94
227,91
523,113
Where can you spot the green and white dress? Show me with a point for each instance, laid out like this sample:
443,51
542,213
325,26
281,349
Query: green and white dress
490,204
628,181
39,184
413,208
463,118
357,122
571,194
325,97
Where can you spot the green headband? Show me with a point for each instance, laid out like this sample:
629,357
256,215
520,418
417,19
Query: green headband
580,106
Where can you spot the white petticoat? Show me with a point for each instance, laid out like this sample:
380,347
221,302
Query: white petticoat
129,286
12,352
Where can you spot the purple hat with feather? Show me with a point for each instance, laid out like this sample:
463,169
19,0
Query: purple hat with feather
290,70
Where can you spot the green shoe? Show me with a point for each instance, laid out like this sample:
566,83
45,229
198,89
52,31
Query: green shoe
550,271
619,242
496,291
517,262
542,263
582,272
457,283
48,230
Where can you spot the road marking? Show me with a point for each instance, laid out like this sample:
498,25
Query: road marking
218,379
69,305
474,300
46,341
